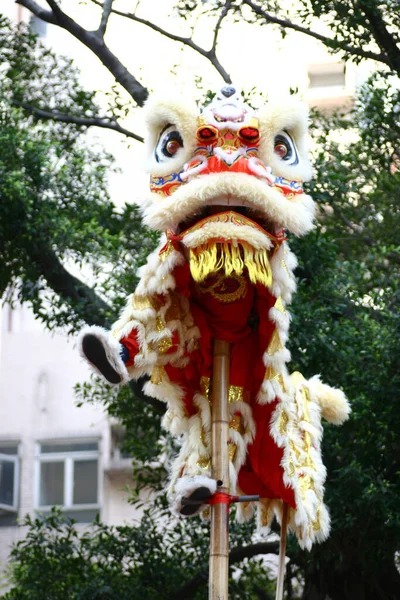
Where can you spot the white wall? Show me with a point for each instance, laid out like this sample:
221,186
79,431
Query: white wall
38,372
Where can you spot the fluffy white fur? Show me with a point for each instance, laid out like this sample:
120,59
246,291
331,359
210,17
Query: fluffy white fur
286,115
335,407
161,112
227,231
112,350
161,213
185,486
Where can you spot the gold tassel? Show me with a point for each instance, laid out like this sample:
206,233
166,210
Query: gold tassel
210,258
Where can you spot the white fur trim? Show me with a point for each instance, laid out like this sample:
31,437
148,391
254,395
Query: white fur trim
290,115
185,486
334,404
163,213
170,110
112,349
229,232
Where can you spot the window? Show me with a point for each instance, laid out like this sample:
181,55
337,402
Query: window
119,452
9,483
326,75
68,476
38,27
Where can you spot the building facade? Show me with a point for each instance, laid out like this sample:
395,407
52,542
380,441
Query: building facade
53,452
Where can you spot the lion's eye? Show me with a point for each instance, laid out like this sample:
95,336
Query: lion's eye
172,147
169,143
281,149
285,148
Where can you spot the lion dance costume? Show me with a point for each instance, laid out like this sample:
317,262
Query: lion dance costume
225,185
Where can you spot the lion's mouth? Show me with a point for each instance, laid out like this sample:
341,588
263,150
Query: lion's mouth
213,209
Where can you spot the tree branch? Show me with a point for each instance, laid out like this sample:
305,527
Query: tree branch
331,43
95,43
186,592
103,122
41,13
105,17
209,54
222,16
55,8
383,38
71,289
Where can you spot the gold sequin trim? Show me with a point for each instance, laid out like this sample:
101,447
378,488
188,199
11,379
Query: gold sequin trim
205,386
305,480
164,253
317,523
294,449
283,422
219,288
306,483
307,435
164,345
157,374
141,302
160,326
275,344
145,302
280,306
235,394
271,374
203,436
204,463
231,450
235,423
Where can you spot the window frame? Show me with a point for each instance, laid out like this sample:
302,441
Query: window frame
68,458
326,69
15,459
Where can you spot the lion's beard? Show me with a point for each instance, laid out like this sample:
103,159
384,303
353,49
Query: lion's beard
232,257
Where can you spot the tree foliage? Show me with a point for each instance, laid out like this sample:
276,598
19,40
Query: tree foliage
155,558
345,314
55,206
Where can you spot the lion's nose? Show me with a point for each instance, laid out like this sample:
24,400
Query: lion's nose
228,91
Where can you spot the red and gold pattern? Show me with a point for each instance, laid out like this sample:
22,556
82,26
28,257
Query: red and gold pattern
224,289
228,277
226,217
224,151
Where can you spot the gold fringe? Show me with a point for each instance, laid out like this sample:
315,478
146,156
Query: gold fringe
213,256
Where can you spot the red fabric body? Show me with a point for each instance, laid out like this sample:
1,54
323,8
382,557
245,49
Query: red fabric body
222,309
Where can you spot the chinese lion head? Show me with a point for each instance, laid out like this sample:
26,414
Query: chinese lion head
226,183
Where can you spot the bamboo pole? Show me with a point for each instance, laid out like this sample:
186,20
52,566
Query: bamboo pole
282,553
219,539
